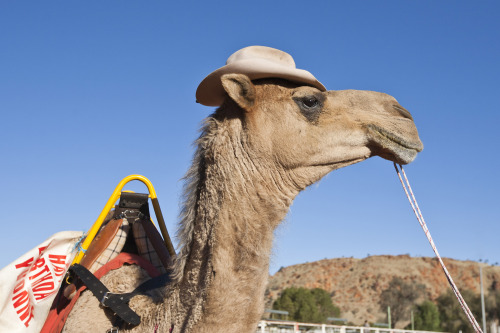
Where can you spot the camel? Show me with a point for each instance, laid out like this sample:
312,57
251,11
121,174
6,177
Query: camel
272,136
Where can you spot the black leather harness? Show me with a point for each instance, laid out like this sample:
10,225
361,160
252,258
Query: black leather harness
118,303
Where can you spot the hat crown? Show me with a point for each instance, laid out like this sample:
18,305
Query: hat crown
262,52
256,62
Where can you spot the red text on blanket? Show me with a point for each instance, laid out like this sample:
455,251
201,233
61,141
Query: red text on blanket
39,278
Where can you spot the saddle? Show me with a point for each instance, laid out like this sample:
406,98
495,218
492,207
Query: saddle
126,236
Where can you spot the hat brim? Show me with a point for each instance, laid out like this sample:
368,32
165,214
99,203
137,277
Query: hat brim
211,93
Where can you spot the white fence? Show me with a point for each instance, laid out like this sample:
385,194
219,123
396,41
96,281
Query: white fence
275,326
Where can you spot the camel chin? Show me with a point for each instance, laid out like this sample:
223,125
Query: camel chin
393,147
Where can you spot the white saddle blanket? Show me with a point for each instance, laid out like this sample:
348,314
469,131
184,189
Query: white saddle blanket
29,284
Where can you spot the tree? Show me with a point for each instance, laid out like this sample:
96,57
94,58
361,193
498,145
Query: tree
307,305
400,296
426,317
454,319
451,315
324,302
493,304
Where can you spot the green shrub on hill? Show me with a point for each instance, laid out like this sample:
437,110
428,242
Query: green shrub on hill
307,305
452,317
426,317
400,296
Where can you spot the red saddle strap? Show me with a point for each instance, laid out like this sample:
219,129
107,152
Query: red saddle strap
61,307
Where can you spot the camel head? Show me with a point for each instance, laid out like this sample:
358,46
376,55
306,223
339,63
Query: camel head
288,117
309,132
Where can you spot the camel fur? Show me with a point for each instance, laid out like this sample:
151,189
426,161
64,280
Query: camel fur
268,141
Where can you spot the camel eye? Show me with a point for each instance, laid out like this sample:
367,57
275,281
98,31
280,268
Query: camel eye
310,102
310,106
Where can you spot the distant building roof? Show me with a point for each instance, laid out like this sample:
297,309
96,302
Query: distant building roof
336,319
277,311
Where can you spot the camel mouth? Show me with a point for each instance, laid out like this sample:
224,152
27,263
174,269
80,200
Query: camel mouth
393,147
339,164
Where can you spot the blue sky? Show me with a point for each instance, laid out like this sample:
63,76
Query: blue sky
91,92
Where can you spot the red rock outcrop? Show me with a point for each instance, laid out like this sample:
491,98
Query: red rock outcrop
356,284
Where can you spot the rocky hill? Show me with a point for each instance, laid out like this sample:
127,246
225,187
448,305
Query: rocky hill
356,284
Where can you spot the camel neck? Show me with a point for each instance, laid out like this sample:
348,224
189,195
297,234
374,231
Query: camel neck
236,210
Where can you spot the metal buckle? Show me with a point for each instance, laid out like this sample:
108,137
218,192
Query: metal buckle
104,298
130,214
113,329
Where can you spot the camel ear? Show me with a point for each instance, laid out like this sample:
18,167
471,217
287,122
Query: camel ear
240,89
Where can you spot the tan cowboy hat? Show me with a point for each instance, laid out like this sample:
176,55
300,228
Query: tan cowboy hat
257,62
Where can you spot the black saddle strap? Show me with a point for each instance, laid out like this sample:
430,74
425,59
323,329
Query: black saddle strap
118,303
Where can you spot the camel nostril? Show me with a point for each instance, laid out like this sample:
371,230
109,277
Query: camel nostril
402,111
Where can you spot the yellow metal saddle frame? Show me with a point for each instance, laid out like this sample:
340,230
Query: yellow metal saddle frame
110,204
